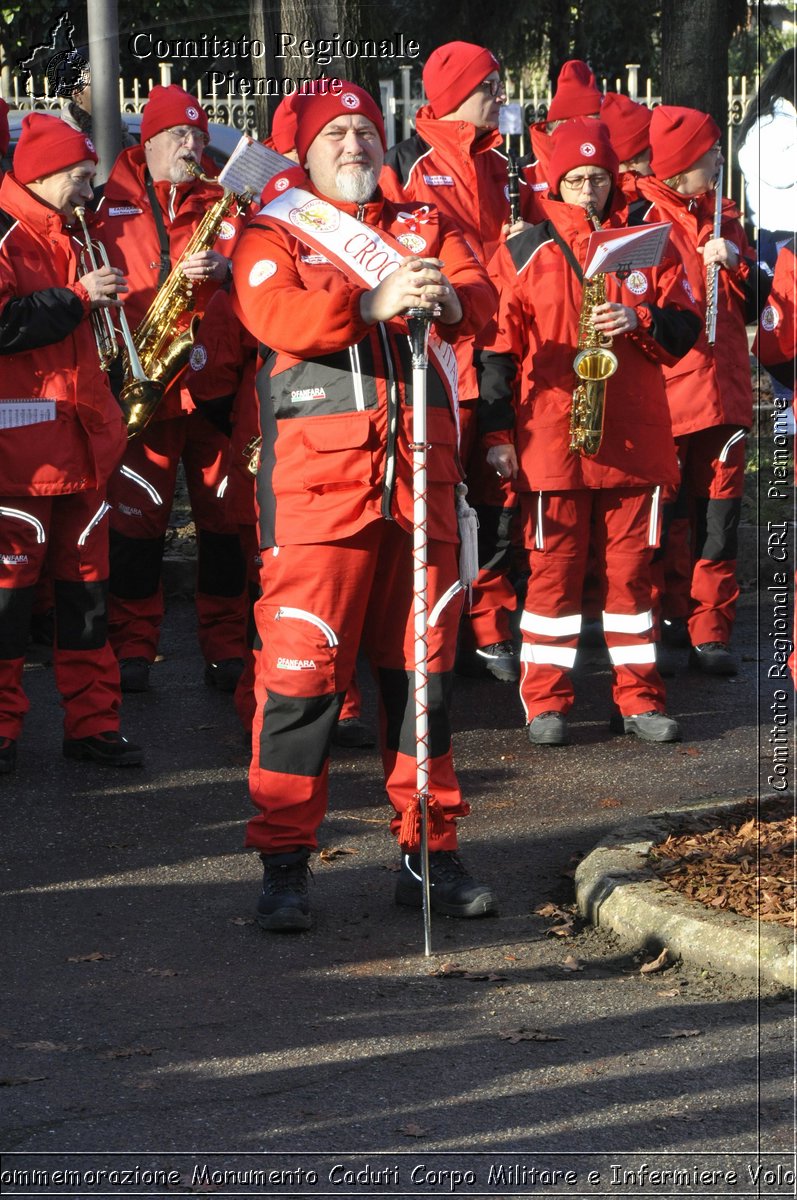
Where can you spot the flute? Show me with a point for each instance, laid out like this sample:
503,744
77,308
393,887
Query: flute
713,269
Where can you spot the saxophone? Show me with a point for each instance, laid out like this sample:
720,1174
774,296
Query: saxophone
161,353
593,364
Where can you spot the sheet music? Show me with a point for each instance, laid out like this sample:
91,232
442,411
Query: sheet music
250,166
16,413
626,249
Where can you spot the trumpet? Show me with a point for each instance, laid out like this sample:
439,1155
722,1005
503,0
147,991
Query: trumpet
92,257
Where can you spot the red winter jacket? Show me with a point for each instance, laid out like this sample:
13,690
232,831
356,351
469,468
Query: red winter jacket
464,176
49,352
775,339
709,386
220,376
536,329
335,393
128,229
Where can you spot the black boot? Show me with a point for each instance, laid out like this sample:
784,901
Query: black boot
452,890
283,906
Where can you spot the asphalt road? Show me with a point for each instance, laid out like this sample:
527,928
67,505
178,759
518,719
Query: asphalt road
145,1013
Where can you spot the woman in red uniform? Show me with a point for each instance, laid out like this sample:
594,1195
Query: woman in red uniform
567,498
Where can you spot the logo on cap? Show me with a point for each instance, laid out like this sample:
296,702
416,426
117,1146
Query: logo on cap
90,145
192,114
281,184
349,100
587,149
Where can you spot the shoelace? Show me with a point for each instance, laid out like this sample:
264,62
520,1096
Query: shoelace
449,869
292,877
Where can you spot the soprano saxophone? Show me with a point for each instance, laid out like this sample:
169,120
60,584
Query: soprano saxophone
593,364
162,354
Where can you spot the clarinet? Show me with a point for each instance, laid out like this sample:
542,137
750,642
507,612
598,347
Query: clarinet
713,271
513,175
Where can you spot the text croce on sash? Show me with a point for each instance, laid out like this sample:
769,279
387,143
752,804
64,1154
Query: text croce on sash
358,250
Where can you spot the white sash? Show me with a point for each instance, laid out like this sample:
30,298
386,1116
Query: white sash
358,251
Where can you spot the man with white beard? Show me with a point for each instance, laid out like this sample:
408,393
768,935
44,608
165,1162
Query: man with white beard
322,276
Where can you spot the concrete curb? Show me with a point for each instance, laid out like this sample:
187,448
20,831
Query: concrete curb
617,890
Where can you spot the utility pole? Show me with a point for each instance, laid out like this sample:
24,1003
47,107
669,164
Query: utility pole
104,58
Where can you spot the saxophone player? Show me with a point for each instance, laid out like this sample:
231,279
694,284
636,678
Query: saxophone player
151,206
566,497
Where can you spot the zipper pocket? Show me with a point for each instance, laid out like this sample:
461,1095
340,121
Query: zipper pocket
301,614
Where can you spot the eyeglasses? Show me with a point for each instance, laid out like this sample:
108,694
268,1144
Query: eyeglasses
576,182
184,133
494,86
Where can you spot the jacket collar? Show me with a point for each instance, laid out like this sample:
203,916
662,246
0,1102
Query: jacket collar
455,136
20,203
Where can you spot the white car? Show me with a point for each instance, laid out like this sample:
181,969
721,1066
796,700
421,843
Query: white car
223,138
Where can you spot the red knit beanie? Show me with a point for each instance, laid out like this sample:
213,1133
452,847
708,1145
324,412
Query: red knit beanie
679,137
5,136
168,107
313,112
48,144
453,71
283,126
577,94
582,142
628,124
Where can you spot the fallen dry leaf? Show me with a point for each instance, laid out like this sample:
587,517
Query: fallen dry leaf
528,1035
571,964
610,802
60,1047
658,964
454,971
129,1052
95,956
165,972
560,930
411,1130
330,853
692,751
242,920
669,995
20,1079
681,1033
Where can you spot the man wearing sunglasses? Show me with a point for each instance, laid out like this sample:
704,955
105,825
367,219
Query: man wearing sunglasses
455,162
151,208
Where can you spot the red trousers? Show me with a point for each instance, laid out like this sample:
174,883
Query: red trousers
623,526
141,492
245,689
493,597
318,604
70,535
696,573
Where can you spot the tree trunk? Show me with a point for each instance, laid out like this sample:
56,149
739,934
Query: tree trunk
695,35
263,28
307,20
355,22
